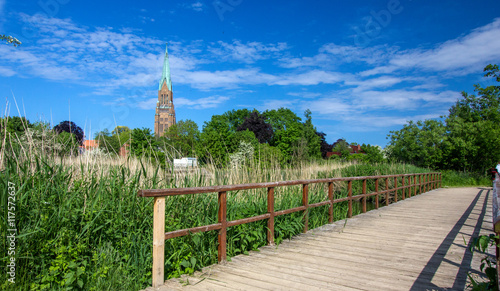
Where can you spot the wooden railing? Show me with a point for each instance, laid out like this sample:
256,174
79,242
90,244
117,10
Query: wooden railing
426,182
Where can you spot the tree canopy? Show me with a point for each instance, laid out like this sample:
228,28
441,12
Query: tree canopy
465,140
70,127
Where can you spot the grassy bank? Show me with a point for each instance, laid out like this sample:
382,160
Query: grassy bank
81,225
462,179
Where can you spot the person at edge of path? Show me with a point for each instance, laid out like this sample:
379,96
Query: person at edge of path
497,170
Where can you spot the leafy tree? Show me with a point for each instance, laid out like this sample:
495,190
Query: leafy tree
246,136
373,154
288,131
420,143
256,123
107,142
216,140
70,127
467,140
183,137
10,40
236,117
120,129
14,125
313,141
342,147
68,143
143,142
281,119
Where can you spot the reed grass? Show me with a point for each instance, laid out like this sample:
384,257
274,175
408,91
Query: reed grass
81,225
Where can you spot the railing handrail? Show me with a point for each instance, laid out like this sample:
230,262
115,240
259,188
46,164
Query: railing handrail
237,187
426,181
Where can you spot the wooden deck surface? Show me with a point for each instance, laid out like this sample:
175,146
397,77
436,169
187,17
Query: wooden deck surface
416,244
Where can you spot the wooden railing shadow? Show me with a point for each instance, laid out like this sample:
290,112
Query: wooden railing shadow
423,281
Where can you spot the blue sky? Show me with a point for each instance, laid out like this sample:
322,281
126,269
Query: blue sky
363,68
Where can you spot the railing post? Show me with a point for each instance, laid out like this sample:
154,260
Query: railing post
376,191
222,219
158,241
414,185
403,185
364,198
396,189
409,187
386,191
330,197
270,210
305,202
420,184
349,201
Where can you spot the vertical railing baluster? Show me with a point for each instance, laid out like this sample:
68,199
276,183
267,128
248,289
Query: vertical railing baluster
349,201
364,198
420,184
376,191
403,185
222,219
415,185
396,189
409,186
305,202
270,221
330,197
386,191
158,242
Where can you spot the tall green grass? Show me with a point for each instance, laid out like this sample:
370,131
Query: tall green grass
82,226
463,179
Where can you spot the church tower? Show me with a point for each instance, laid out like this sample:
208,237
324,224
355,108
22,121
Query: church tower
165,112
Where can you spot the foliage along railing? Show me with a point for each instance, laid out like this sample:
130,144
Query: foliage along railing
496,222
426,182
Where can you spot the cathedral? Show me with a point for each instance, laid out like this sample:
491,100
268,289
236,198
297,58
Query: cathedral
165,112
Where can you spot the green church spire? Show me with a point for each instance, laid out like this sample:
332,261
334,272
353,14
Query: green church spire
165,76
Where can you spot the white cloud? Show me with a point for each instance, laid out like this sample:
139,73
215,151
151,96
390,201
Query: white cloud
277,103
249,52
148,104
2,5
334,55
197,6
313,77
6,72
463,55
201,103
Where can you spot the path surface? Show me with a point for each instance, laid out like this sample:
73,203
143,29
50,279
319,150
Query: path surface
417,244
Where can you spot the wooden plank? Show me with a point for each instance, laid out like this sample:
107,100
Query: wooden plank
158,241
349,195
330,198
305,203
222,219
270,211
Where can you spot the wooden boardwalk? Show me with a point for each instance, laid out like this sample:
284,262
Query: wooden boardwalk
416,244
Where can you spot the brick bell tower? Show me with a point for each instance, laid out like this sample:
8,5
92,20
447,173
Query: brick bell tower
165,112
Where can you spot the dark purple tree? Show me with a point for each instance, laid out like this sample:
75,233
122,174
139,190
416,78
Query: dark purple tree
70,127
325,147
257,124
